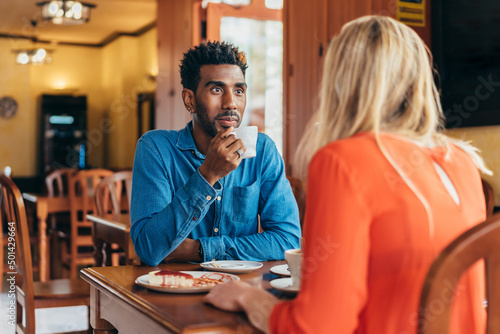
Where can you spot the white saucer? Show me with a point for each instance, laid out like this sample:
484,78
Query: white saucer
284,284
233,267
281,270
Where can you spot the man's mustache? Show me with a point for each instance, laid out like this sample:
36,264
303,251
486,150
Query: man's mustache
229,113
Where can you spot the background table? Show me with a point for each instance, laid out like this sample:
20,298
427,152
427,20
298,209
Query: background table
110,229
117,302
43,206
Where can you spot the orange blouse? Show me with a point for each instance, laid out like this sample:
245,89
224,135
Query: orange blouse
369,242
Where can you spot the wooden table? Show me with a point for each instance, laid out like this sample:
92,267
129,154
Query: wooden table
110,229
44,205
117,303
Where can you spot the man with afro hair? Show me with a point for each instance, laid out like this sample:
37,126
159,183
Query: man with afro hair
193,197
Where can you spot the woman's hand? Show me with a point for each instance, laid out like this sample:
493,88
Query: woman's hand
228,296
240,296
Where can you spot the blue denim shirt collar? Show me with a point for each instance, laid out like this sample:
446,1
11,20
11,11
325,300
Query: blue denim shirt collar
185,141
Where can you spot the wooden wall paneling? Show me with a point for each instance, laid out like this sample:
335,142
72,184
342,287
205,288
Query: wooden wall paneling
425,32
199,16
286,85
175,34
384,7
390,7
341,12
307,26
305,35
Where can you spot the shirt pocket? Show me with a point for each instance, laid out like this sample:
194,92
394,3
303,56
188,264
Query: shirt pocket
246,202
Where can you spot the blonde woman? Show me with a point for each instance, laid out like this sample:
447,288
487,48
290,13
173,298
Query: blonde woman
386,192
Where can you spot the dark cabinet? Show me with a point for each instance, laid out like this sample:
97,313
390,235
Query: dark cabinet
63,132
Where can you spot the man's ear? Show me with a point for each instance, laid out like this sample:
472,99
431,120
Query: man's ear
189,99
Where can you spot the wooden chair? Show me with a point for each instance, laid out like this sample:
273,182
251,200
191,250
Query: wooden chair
112,196
300,196
479,242
56,181
489,197
81,187
31,295
4,240
113,193
56,184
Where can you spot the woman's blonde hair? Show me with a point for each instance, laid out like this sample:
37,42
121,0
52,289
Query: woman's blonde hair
377,77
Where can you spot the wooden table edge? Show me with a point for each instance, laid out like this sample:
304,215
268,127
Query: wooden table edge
30,197
93,278
103,221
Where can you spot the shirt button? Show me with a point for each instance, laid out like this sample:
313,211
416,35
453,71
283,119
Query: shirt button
216,230
208,198
218,198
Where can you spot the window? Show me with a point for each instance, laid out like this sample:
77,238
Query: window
257,29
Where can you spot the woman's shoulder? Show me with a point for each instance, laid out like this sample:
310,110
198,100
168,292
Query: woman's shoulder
354,145
353,152
367,148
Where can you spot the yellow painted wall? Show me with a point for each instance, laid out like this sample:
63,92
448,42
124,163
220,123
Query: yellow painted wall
487,139
19,133
108,76
127,64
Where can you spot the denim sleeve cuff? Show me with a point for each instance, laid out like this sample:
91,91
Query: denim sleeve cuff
213,248
217,186
198,190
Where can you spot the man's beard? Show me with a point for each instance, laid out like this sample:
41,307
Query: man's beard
208,125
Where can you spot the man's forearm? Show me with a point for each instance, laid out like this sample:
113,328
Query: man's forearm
186,251
156,237
269,245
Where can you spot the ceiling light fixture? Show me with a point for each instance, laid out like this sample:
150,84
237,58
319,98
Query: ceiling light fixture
65,12
36,56
33,54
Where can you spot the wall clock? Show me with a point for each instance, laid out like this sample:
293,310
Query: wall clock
8,107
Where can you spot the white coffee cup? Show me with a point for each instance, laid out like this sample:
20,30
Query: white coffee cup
294,259
248,135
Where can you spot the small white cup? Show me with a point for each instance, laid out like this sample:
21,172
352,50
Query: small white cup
294,259
248,135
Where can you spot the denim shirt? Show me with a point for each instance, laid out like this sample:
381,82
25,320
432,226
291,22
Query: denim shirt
171,201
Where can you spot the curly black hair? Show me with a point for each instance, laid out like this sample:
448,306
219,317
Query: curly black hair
210,53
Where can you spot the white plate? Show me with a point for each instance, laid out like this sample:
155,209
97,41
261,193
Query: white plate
281,270
233,267
284,284
144,281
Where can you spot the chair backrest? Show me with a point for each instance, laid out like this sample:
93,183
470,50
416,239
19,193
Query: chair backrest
56,181
4,229
300,196
489,197
12,205
479,242
81,189
113,193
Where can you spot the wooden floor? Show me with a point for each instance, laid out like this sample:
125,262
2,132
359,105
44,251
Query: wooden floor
54,320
